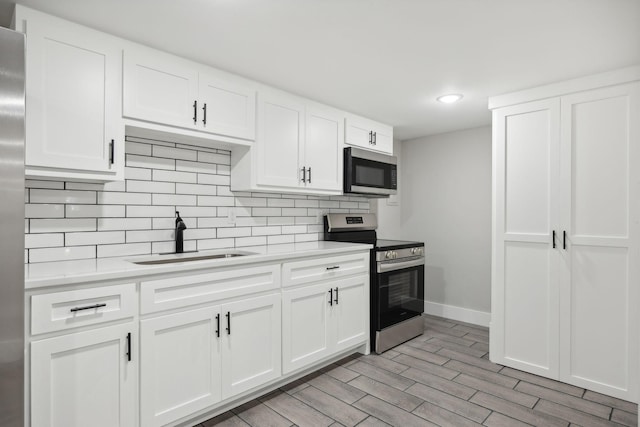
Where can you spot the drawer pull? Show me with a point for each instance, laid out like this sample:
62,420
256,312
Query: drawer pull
335,267
336,300
331,297
228,315
218,325
89,307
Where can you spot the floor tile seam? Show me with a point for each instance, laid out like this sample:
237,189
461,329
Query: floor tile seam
515,419
567,395
386,385
574,409
317,409
502,398
397,373
448,410
274,410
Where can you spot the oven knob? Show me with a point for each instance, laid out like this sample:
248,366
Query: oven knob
395,254
414,251
388,255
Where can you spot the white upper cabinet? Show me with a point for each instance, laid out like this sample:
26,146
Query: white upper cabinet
566,233
367,134
298,148
74,127
169,90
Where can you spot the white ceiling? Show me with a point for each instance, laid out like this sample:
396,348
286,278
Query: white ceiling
385,59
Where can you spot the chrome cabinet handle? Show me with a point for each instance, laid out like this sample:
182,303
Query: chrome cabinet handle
89,307
370,137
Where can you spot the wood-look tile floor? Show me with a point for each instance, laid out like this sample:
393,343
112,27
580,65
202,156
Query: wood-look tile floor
442,378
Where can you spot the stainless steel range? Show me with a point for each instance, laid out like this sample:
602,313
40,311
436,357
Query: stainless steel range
397,279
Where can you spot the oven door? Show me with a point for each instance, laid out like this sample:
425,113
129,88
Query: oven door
399,291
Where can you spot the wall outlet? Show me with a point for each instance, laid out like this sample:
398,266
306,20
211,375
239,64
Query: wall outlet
231,215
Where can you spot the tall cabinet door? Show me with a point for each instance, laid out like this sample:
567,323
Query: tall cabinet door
601,253
524,323
251,343
280,136
73,96
180,365
84,379
160,88
323,148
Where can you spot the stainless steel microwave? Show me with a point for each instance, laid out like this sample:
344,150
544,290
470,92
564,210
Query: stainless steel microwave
370,173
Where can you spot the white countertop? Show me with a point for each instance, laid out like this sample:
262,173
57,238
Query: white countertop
46,274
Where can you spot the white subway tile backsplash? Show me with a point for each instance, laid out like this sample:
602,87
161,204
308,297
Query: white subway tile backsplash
46,240
215,201
150,187
280,203
31,183
279,239
251,201
266,231
173,199
118,198
234,232
267,211
307,203
199,189
150,211
59,225
94,211
62,196
43,211
206,178
187,166
174,153
150,162
77,220
105,224
135,236
174,176
206,244
94,238
62,253
138,173
219,159
126,249
137,148
251,241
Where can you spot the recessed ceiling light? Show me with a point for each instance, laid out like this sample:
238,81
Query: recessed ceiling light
450,98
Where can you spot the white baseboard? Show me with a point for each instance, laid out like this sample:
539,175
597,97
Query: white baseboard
480,318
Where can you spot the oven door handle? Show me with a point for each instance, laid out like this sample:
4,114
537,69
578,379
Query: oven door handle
384,267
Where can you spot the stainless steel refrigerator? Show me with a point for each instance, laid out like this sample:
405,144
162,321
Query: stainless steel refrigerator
12,114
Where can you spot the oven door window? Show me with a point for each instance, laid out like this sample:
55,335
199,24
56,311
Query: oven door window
400,295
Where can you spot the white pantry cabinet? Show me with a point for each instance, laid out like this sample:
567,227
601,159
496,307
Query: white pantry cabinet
165,89
567,236
193,359
74,127
367,134
85,378
298,148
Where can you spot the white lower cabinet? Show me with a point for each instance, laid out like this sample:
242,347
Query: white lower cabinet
86,378
324,318
193,359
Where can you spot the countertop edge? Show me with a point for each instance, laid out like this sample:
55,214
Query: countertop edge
44,275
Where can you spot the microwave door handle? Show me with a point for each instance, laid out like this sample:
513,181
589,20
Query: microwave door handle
384,267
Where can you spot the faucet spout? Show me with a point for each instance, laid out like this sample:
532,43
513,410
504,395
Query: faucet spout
180,226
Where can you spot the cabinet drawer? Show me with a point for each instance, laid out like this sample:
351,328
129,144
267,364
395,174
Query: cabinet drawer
164,294
65,310
300,272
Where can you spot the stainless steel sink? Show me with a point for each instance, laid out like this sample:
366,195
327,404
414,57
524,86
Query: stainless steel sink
182,258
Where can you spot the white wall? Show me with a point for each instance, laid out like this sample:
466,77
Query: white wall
445,201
